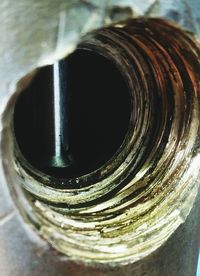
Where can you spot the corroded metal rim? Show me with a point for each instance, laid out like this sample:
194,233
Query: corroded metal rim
144,196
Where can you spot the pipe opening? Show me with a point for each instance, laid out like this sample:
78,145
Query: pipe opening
94,118
124,209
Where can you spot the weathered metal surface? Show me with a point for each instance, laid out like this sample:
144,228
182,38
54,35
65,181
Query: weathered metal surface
22,256
35,33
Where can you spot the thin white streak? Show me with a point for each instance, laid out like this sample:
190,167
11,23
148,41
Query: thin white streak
61,31
6,217
57,118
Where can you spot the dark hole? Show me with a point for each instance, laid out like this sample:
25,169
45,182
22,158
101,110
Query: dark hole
95,115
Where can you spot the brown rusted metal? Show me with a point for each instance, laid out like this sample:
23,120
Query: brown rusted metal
175,254
129,207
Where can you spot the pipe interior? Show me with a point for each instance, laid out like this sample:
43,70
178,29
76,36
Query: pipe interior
96,115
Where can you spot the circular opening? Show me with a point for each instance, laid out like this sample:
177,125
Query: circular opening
88,116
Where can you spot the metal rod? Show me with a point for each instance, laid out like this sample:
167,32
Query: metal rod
57,111
61,157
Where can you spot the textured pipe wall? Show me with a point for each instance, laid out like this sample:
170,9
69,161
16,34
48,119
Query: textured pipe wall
35,33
